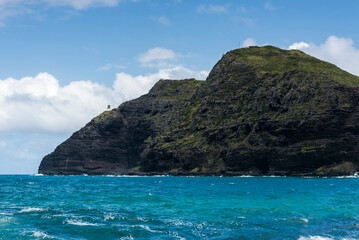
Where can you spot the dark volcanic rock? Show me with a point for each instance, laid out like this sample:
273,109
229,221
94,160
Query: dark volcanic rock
261,111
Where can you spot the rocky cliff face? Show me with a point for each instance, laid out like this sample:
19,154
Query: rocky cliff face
261,111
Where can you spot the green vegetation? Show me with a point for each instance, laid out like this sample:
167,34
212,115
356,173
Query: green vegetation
103,116
311,149
342,167
273,60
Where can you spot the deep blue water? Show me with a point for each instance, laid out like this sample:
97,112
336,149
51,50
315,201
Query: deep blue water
85,207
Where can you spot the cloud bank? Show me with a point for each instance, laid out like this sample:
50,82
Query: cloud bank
40,104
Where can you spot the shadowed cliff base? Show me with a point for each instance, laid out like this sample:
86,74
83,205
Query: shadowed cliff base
261,111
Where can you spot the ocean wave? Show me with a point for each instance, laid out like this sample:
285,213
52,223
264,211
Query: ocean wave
355,175
6,220
304,220
80,223
147,228
108,217
31,209
127,238
314,238
41,235
179,222
2,213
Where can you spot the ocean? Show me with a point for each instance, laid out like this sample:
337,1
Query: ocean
93,207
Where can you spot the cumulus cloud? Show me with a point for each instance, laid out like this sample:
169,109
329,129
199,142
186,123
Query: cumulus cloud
299,45
340,51
203,8
249,42
157,57
40,104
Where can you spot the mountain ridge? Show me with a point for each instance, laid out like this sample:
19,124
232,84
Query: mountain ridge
261,111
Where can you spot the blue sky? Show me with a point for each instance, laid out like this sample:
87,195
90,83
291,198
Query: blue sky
63,61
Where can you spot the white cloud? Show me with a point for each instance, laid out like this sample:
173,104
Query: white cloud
2,144
76,4
249,42
203,8
162,20
156,54
10,8
299,45
339,51
40,104
82,4
110,66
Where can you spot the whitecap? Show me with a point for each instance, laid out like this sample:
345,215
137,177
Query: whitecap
314,238
41,235
38,174
355,175
80,223
127,238
2,213
25,210
145,227
176,235
178,222
108,217
142,219
6,219
304,220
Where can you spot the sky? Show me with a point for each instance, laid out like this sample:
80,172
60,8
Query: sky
63,61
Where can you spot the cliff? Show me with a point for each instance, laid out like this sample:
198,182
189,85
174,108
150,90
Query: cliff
261,111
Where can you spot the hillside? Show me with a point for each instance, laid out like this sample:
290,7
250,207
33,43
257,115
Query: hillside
261,111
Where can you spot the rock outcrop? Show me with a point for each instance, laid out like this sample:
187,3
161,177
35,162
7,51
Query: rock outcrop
261,111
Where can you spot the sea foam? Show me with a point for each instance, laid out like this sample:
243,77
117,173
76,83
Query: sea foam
31,209
314,238
81,223
41,235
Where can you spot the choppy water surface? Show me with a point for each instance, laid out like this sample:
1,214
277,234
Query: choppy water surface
85,207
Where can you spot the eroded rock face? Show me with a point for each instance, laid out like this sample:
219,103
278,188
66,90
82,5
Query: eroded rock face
261,111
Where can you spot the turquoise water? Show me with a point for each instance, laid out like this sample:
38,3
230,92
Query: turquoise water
86,207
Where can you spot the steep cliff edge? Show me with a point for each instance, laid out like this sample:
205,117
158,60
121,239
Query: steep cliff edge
261,111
